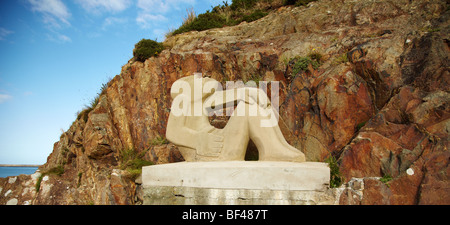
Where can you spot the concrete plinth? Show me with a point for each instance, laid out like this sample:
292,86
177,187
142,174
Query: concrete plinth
237,182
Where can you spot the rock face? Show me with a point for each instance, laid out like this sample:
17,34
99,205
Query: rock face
379,102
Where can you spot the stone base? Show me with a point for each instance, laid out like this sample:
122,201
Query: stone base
162,195
237,182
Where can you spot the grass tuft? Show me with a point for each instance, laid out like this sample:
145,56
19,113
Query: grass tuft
385,179
336,178
301,64
132,161
57,170
159,141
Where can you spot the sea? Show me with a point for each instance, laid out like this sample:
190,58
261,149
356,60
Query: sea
6,171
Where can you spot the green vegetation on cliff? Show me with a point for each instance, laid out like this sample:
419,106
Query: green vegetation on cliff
57,170
336,178
146,48
132,161
229,15
301,64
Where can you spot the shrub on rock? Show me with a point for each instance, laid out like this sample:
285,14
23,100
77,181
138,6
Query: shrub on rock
146,48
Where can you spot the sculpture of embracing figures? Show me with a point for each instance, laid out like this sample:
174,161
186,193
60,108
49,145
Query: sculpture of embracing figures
253,119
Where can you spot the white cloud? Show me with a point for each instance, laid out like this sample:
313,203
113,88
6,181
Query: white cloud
97,6
161,6
4,97
146,20
153,5
54,12
152,12
64,38
58,38
111,21
4,32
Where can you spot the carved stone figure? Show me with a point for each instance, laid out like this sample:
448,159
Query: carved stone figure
253,118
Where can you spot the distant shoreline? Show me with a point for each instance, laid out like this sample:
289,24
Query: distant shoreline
19,165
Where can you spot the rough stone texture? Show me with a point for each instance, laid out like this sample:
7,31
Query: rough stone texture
161,195
381,113
266,175
237,182
19,190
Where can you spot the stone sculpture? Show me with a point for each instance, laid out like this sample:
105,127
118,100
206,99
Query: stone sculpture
188,126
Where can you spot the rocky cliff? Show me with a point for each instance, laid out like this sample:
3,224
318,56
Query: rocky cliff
378,102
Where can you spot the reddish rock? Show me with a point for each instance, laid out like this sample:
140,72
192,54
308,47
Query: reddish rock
349,197
166,153
376,193
435,186
122,189
367,155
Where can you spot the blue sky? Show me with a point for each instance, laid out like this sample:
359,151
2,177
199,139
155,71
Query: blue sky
55,55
